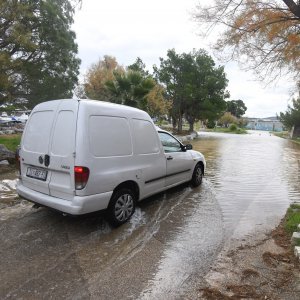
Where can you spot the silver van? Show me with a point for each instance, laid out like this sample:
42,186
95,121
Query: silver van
81,156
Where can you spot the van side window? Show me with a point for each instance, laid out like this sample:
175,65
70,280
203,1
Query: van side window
169,143
145,137
109,136
36,137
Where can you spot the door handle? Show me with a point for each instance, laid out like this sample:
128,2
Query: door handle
47,160
169,158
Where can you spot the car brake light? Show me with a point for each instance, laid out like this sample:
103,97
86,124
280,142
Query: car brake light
81,177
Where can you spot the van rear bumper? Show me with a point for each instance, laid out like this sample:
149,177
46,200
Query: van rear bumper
76,206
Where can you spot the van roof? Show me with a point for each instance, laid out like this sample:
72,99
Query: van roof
99,103
110,104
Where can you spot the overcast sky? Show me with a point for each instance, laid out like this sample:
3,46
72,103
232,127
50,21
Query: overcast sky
147,29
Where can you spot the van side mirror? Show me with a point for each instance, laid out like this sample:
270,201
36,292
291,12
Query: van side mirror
188,147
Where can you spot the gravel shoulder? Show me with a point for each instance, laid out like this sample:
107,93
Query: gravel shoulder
266,269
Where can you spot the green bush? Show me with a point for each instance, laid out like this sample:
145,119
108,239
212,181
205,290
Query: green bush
295,206
210,124
233,127
292,219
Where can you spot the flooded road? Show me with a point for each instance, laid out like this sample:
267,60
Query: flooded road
171,241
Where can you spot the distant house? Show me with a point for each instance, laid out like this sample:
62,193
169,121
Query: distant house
267,124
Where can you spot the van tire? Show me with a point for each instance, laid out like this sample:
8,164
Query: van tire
197,176
121,206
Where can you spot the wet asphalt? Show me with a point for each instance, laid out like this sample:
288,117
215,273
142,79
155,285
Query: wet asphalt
170,244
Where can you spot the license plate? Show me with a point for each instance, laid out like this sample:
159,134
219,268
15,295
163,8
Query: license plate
39,174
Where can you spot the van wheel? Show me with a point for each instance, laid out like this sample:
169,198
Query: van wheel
197,176
121,206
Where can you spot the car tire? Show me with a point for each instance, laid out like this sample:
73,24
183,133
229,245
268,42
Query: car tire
197,176
121,206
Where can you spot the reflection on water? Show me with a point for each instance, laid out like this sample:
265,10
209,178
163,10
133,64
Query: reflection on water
255,177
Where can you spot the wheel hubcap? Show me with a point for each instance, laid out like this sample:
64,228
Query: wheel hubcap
198,175
124,207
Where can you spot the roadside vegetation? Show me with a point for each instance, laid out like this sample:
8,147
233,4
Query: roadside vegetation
296,140
31,69
286,135
183,88
292,219
282,134
11,142
233,128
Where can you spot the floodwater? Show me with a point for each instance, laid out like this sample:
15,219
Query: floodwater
172,240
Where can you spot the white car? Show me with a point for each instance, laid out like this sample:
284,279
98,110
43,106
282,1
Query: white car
81,156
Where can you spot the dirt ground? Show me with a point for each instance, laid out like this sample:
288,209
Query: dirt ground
265,270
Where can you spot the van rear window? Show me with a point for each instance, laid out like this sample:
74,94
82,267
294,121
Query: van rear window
109,136
145,137
63,142
37,135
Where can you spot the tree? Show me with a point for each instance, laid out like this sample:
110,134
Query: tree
130,88
157,105
139,66
263,35
169,73
227,119
195,85
207,89
291,118
236,107
97,76
37,50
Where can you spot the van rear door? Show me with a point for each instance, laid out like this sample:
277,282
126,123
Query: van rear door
62,151
35,147
48,149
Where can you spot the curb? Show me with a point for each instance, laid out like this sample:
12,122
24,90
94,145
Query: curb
297,252
296,248
295,239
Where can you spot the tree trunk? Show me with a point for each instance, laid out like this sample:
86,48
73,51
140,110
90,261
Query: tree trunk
295,133
191,123
174,123
179,127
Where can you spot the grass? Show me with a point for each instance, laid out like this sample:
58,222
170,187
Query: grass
292,218
285,135
297,140
228,130
11,142
282,134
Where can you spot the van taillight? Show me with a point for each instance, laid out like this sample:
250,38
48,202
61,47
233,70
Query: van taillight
81,177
